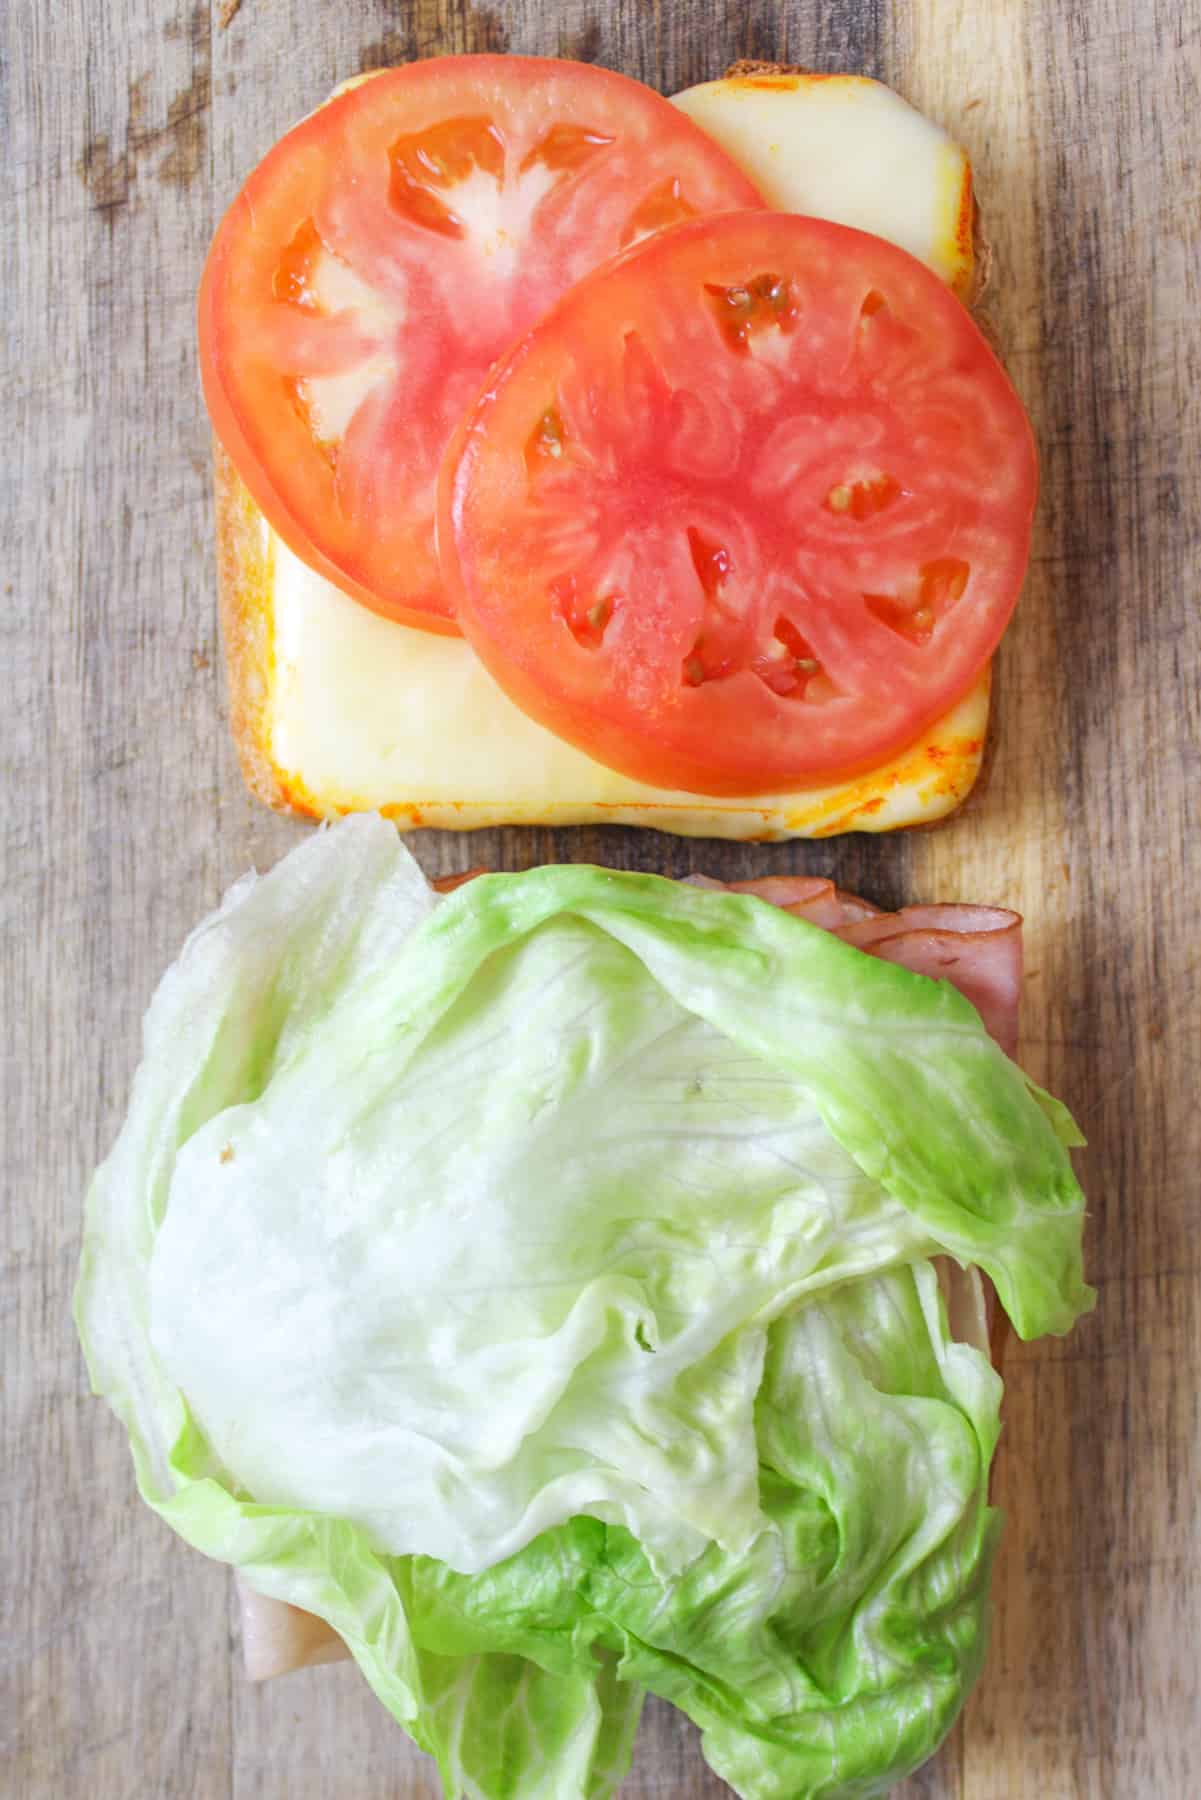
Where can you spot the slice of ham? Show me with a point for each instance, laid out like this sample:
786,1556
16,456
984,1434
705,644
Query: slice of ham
970,1304
446,884
277,1638
976,948
809,897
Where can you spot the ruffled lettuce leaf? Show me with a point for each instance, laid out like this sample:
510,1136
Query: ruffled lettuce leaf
832,1655
536,1287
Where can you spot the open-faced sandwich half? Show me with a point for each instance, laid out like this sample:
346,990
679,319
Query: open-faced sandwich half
585,456
573,1287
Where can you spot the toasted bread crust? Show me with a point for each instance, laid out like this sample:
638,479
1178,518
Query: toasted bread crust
751,66
243,592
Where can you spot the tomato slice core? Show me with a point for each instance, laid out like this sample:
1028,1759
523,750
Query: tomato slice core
383,255
746,510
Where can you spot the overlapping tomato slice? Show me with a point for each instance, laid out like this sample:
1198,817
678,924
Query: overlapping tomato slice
381,257
748,509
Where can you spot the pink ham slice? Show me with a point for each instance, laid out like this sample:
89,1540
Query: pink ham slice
809,897
277,1638
970,1303
976,948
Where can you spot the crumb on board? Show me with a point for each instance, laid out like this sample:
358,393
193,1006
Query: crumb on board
227,13
750,66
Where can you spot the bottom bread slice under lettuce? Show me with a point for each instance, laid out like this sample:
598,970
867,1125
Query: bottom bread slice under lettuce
535,1284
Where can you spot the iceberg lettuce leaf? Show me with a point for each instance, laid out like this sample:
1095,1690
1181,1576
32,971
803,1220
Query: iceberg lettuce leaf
535,1284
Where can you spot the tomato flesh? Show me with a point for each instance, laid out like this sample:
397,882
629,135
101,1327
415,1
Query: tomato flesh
747,510
382,256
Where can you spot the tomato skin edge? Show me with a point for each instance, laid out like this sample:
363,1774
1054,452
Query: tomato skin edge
229,433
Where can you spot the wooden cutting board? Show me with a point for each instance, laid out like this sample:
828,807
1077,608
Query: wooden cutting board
129,126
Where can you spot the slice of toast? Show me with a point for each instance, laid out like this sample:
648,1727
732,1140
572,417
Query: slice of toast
334,709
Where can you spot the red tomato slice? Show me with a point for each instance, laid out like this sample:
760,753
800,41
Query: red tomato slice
749,508
382,256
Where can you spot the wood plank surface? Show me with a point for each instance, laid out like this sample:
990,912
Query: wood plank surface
127,128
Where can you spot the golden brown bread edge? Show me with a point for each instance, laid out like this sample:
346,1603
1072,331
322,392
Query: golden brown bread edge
243,590
244,572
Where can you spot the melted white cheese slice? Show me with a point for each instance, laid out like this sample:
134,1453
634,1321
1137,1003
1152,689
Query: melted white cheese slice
361,713
844,148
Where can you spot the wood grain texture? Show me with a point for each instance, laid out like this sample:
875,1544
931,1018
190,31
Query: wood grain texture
127,128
